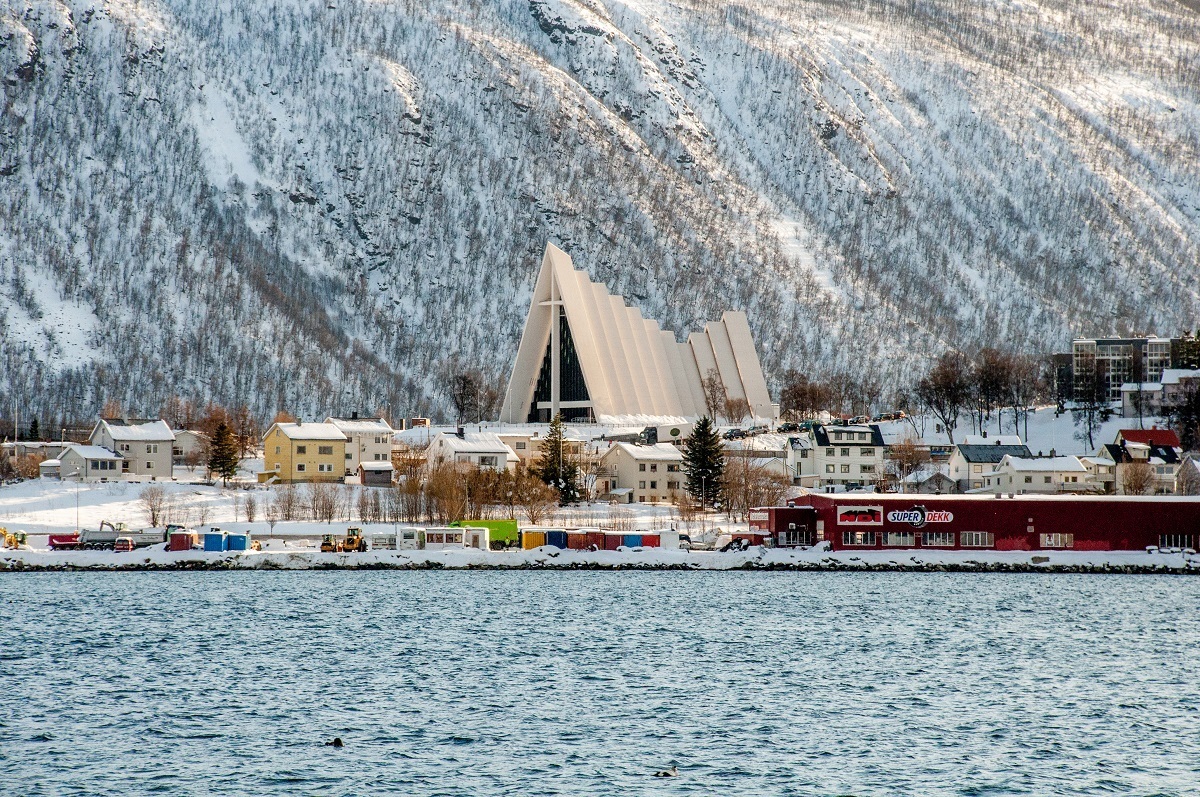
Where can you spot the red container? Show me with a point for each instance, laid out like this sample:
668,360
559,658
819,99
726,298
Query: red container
596,538
613,541
651,541
577,541
180,541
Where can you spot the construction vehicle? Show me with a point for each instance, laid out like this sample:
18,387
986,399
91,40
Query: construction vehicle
124,545
14,540
354,540
105,537
330,544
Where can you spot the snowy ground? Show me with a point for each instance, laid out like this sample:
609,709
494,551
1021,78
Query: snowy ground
290,555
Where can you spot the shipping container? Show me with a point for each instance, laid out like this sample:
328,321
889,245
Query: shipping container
501,533
668,539
556,538
613,541
577,540
650,540
440,539
214,541
632,541
181,541
237,542
531,539
598,540
477,537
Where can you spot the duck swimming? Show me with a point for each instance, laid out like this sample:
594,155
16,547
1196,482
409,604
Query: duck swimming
337,742
673,772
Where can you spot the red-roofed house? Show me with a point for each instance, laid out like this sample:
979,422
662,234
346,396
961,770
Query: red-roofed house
1149,437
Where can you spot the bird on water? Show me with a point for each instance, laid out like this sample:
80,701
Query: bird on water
337,742
673,772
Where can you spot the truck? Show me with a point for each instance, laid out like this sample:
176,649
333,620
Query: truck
105,538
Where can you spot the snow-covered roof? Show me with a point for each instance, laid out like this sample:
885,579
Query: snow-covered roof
991,440
474,443
309,431
351,426
49,463
1172,376
1103,462
659,452
126,432
91,452
761,442
376,466
1044,464
1144,387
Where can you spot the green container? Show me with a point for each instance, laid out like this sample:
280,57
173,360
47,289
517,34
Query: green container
502,531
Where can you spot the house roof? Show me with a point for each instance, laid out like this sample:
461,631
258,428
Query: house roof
309,431
91,452
1044,464
361,425
659,452
1173,376
474,443
992,453
1151,437
137,431
991,440
1143,387
377,466
823,435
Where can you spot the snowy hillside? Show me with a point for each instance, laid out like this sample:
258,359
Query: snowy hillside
322,206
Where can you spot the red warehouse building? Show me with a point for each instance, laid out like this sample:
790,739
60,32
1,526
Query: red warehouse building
965,522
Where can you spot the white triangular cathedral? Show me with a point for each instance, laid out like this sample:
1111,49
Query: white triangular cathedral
584,352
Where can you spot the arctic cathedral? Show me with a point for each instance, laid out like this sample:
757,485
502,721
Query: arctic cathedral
586,353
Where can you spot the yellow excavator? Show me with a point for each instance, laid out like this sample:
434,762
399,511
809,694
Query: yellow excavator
14,540
355,541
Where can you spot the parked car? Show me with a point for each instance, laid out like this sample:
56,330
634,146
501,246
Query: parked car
860,419
789,427
735,434
123,544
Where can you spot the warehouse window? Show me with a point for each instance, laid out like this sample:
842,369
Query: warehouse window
858,538
978,539
943,539
905,539
1058,540
1175,541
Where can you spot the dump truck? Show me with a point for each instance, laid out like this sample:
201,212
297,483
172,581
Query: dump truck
105,537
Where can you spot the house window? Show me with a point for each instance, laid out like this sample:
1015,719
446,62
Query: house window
837,436
977,469
641,499
862,437
95,465
672,469
653,485
277,450
866,452
978,539
938,539
858,538
1029,479
654,469
845,452
278,466
520,445
379,457
487,462
672,485
642,466
324,468
300,467
845,469
301,449
641,485
149,464
905,539
830,468
152,448
324,450
125,447
804,453
1058,540
1045,479
831,452
866,468
349,455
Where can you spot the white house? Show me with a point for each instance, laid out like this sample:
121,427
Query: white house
645,474
481,449
89,463
190,446
367,440
977,456
145,446
801,460
1022,475
847,455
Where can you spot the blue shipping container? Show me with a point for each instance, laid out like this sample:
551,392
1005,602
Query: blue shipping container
557,538
214,541
238,542
633,541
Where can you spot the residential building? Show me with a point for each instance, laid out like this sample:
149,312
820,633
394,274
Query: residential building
1159,449
647,474
1119,361
375,474
801,460
1187,476
145,446
1101,472
976,457
931,479
89,463
190,447
528,446
588,355
367,440
480,449
303,452
1023,475
847,455
1156,398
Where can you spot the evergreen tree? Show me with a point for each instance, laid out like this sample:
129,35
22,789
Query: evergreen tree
223,457
35,433
704,462
553,466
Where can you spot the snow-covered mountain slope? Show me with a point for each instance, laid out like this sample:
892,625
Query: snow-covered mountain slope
324,206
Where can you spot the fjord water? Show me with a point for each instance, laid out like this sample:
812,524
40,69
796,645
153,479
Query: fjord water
585,683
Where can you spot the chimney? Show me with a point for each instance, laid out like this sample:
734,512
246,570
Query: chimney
1053,453
299,421
354,415
460,433
985,434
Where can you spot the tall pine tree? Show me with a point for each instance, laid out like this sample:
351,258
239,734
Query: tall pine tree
554,467
704,462
223,457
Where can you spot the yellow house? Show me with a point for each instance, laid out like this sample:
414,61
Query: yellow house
303,452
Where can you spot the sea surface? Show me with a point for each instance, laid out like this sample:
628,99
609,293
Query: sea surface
586,683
